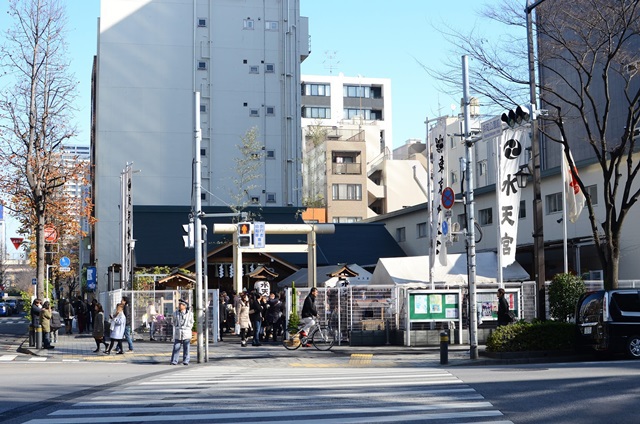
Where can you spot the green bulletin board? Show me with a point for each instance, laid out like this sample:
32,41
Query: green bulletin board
487,302
434,306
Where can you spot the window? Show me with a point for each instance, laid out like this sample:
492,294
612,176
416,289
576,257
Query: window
522,211
400,234
248,23
592,191
482,167
271,25
452,142
422,229
462,220
454,177
254,113
271,154
271,198
203,152
203,196
203,108
202,22
553,203
357,91
366,114
347,192
486,216
316,90
254,70
269,68
271,110
255,200
202,65
316,112
345,219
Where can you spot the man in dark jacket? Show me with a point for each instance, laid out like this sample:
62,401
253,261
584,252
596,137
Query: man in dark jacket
274,311
503,309
36,308
127,329
255,314
309,313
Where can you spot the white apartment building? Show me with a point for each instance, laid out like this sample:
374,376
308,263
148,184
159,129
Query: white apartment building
350,170
244,59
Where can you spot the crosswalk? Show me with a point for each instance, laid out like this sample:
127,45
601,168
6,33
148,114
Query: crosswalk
216,394
14,320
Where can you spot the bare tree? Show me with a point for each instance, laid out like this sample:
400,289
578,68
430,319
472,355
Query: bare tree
314,163
247,166
589,57
36,112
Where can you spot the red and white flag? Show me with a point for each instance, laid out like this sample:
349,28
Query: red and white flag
573,195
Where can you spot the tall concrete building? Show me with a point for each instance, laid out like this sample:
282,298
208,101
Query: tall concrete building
244,60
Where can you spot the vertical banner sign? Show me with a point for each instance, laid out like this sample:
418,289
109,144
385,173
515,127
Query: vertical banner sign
439,179
512,148
91,277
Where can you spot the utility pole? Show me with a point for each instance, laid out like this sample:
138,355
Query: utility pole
471,224
538,230
196,203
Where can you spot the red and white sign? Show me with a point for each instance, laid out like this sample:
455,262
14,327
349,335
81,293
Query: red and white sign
17,242
50,234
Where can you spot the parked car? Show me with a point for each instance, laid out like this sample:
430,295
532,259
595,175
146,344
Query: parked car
5,309
13,304
609,321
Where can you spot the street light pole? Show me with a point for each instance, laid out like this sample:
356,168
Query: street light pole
538,231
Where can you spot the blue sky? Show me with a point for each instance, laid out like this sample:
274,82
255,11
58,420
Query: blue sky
374,38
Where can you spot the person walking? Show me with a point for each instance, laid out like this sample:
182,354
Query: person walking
80,314
242,316
503,309
223,315
273,313
255,315
152,319
118,324
68,313
182,325
127,330
98,327
56,324
45,322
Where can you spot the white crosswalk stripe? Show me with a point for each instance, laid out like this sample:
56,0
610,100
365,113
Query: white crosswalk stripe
268,395
6,358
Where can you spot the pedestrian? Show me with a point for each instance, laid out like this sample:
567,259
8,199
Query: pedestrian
503,309
152,319
36,307
45,322
88,315
182,326
223,315
127,330
80,314
274,311
67,314
118,324
255,315
56,324
99,329
242,316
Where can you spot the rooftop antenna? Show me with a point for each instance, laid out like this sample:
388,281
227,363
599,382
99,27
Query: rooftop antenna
331,60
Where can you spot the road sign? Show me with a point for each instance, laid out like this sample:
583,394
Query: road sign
64,269
491,128
50,234
445,228
17,242
64,261
448,198
34,281
259,236
91,277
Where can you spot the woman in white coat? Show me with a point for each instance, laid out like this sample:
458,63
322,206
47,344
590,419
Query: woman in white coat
182,325
117,330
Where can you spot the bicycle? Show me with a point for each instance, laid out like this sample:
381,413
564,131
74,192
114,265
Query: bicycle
322,338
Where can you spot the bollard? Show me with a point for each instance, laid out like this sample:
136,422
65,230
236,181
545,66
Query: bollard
444,348
32,336
39,337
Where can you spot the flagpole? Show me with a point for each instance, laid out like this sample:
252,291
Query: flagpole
564,215
499,226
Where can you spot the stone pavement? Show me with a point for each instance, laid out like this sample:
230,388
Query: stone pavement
76,348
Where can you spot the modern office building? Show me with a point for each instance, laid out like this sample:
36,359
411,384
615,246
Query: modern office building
153,55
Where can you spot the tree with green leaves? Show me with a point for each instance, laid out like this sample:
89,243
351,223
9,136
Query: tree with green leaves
564,291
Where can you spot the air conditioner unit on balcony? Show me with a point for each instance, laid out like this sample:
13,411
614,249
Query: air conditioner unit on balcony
596,275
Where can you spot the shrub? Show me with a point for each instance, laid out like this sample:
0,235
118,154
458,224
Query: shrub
564,291
524,336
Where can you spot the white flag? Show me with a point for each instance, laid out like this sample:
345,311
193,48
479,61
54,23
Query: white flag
512,145
575,197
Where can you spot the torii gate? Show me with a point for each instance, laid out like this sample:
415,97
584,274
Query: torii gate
309,229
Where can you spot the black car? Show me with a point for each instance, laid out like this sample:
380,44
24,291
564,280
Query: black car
608,321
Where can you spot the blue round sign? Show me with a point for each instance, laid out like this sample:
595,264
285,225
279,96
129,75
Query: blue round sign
64,261
445,227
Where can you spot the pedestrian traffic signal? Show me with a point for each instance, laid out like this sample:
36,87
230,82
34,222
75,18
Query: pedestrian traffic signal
244,234
520,116
189,237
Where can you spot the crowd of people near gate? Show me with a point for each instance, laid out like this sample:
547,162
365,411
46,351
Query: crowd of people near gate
252,316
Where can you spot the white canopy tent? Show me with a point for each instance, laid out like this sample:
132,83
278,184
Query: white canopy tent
414,270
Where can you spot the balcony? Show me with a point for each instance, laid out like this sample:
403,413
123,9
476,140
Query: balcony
347,168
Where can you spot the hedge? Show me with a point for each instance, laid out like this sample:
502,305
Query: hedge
525,336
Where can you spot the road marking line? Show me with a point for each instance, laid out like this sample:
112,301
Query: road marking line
8,357
38,359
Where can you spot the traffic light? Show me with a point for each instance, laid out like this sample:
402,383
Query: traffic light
520,116
244,234
189,238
